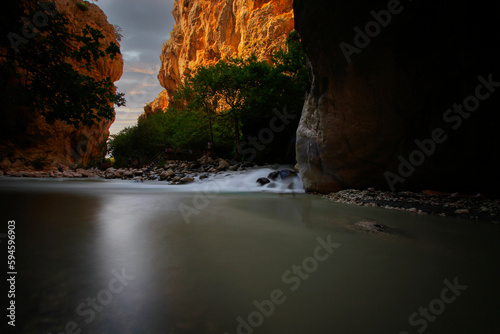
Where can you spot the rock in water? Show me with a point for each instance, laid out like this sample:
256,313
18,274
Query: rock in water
273,175
281,174
263,181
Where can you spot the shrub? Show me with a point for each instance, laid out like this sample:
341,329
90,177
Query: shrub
82,6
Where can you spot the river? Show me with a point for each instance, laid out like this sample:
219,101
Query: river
112,256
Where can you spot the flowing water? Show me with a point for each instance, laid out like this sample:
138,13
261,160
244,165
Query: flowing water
226,256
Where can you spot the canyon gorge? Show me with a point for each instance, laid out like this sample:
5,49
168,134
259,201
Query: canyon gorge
207,31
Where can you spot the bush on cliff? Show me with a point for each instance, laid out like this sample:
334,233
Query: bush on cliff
229,104
247,92
39,75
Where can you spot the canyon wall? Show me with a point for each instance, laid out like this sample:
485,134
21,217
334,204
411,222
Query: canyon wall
404,95
60,143
207,31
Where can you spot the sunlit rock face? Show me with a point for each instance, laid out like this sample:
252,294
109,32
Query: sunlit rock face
373,96
206,31
60,143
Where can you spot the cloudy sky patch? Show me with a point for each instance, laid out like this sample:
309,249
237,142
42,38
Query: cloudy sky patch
146,25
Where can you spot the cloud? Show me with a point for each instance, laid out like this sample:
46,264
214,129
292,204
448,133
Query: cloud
146,25
136,92
148,70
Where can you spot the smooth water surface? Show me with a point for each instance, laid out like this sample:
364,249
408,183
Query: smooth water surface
187,262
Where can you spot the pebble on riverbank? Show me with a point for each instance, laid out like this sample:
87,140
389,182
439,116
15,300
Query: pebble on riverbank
174,172
426,202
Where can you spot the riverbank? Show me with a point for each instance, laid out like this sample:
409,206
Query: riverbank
477,207
173,172
427,202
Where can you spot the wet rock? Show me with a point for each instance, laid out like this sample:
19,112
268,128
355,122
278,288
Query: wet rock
167,174
281,174
186,180
371,227
205,160
273,175
204,176
223,165
109,175
70,174
263,181
85,173
127,174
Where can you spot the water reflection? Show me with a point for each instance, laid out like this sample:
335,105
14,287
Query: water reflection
199,278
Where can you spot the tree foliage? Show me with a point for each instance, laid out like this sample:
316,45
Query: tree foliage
232,101
38,75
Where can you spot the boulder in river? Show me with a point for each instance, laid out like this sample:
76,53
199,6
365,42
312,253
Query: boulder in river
281,174
186,180
263,181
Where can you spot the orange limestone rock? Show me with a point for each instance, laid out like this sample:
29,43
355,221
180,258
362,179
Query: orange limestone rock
207,31
61,143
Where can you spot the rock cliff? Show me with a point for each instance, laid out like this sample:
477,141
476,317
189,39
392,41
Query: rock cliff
402,97
59,142
207,31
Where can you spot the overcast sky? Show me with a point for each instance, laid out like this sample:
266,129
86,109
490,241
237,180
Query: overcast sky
146,26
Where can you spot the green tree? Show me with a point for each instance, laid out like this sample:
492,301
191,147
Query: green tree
224,103
38,75
246,91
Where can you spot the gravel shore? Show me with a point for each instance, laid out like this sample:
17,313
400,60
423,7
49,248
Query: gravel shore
427,202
